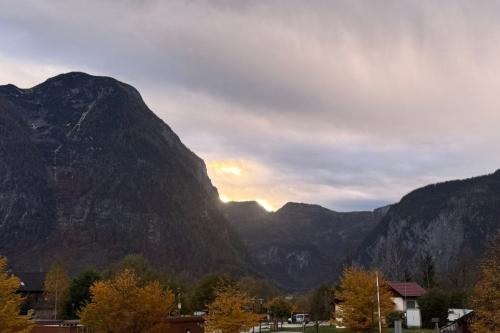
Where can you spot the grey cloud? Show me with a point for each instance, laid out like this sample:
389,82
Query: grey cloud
376,97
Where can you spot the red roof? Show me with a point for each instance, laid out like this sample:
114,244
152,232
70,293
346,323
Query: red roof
407,289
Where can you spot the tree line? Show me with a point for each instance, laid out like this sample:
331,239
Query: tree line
131,296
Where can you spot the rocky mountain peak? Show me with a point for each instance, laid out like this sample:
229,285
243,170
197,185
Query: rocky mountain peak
103,177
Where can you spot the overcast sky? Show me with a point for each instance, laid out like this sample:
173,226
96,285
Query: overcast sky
348,104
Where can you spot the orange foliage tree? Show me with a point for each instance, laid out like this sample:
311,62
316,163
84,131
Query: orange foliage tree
228,314
486,295
56,286
10,301
122,305
358,299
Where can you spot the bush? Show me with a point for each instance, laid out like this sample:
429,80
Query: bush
393,316
434,304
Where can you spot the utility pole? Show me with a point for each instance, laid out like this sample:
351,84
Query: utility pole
378,306
55,303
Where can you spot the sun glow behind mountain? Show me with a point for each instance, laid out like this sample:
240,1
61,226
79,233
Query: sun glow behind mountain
266,205
234,178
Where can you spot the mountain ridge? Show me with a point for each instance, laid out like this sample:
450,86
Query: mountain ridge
300,245
117,180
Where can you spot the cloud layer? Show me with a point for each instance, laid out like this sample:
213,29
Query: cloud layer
349,104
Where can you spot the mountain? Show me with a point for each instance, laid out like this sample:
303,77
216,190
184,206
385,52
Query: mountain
300,245
89,174
447,222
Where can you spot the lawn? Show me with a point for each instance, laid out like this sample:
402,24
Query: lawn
331,329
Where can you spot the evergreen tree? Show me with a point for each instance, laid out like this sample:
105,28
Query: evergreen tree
78,295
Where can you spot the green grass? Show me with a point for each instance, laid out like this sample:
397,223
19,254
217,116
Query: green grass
331,329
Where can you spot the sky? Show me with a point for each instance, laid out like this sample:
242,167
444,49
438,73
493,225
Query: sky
347,104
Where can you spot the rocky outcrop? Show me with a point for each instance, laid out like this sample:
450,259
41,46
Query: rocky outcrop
449,222
90,174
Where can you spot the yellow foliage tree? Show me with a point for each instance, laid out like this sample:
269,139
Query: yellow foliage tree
56,285
122,305
486,295
227,313
10,301
358,299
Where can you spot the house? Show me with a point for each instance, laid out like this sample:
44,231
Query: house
186,324
405,298
32,289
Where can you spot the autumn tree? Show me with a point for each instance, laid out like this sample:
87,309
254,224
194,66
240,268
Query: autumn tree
124,305
229,312
10,302
205,290
56,285
279,308
486,295
358,298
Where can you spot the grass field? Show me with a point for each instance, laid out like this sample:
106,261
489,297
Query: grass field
331,329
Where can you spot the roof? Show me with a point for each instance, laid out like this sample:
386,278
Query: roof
31,281
407,289
185,319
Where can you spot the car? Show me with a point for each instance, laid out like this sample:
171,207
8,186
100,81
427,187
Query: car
299,318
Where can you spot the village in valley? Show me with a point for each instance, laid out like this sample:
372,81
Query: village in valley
134,297
245,166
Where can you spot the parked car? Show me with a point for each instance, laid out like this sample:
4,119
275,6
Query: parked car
299,318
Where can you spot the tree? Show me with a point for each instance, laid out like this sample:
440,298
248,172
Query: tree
227,312
279,308
56,285
123,305
78,294
259,288
486,295
321,302
428,271
136,262
358,298
10,303
433,304
147,273
204,292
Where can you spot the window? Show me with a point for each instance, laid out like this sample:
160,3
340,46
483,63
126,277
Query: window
411,304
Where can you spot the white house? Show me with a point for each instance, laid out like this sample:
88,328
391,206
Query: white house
405,298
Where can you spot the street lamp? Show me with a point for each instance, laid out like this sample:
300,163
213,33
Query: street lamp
179,304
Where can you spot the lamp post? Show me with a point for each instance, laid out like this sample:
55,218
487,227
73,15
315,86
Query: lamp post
179,304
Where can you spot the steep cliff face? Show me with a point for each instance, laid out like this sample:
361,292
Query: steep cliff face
90,174
300,245
449,222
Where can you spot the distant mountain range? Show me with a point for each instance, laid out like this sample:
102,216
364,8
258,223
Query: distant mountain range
89,174
301,245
